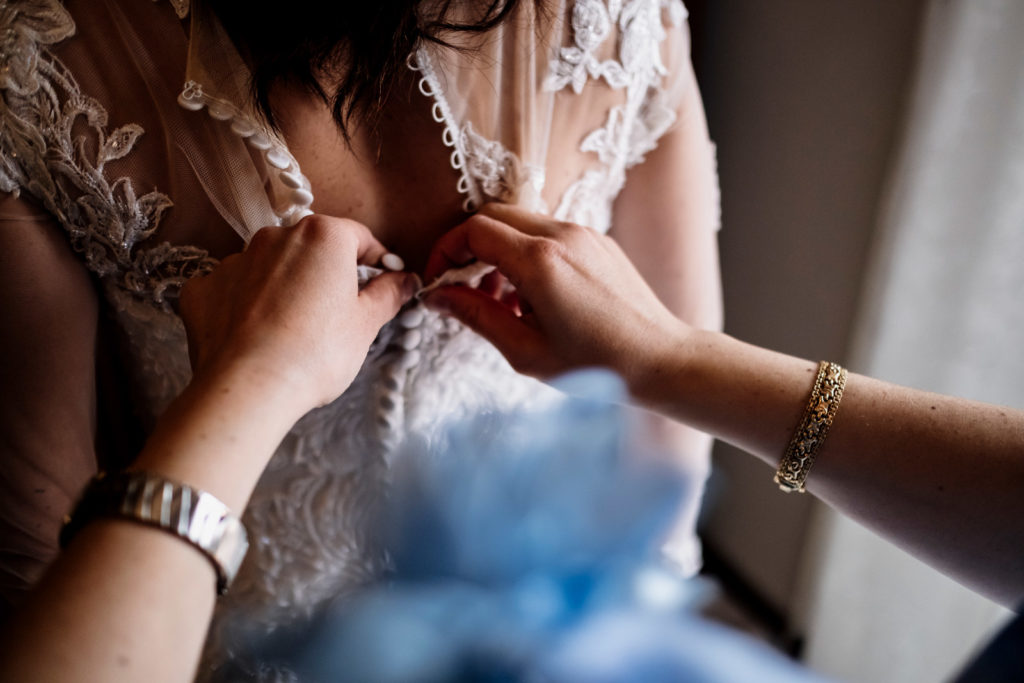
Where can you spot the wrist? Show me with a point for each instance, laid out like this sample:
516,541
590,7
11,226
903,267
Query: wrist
280,391
654,367
219,434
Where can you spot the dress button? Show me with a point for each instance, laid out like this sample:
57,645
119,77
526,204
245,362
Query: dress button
302,196
189,103
290,180
409,359
221,111
242,128
411,339
278,159
259,141
411,318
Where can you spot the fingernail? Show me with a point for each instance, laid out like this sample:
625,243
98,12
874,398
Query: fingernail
411,284
392,262
438,302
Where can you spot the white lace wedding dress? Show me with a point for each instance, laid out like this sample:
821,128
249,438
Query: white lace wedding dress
127,123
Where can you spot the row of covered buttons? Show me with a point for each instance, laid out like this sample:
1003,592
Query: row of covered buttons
405,355
276,156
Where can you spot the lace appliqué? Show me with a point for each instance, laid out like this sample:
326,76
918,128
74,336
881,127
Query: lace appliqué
633,128
56,146
499,173
487,169
592,23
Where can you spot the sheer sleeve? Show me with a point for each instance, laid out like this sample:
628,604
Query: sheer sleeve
551,109
666,219
47,406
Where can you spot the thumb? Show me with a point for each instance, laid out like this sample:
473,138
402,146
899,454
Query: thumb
521,344
386,293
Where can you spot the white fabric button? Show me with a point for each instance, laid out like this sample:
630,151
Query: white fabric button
278,159
259,141
242,127
392,262
221,111
189,103
409,360
411,318
411,339
302,196
290,180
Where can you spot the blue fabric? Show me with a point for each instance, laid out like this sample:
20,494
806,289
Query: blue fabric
526,552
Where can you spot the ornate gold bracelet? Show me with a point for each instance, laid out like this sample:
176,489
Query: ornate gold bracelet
810,435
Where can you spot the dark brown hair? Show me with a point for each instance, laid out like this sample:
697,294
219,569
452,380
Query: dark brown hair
348,53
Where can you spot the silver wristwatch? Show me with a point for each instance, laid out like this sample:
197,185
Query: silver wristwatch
195,516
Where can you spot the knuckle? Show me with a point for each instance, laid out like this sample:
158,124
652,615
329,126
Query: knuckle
546,253
315,227
261,237
478,223
574,232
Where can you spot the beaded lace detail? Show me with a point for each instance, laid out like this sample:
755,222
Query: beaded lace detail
105,220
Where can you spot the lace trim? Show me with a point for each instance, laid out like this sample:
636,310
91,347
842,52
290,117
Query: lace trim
450,135
105,221
487,169
275,152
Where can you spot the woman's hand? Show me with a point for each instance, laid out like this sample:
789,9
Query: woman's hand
578,300
289,310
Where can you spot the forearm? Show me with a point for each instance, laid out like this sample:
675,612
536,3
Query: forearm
126,602
919,468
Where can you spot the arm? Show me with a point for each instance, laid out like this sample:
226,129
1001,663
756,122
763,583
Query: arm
265,329
48,321
940,476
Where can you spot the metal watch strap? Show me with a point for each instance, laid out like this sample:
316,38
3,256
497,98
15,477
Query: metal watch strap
195,516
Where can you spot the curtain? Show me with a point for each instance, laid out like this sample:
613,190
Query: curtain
943,310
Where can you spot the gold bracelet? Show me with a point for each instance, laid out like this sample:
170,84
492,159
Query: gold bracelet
821,410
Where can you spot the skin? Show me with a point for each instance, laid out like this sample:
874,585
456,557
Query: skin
918,468
126,602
